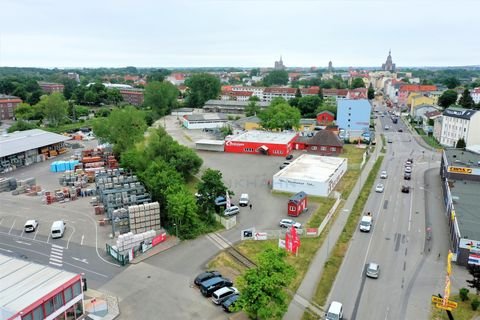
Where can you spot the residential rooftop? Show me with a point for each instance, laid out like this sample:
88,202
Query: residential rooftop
311,167
265,137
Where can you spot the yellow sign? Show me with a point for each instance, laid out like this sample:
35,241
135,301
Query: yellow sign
460,170
441,306
439,301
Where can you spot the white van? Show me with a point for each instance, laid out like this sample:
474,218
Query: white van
243,202
58,228
223,294
335,311
366,223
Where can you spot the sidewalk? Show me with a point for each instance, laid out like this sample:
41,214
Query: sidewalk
167,244
101,299
307,288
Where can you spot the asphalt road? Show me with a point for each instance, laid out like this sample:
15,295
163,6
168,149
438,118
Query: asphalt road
410,272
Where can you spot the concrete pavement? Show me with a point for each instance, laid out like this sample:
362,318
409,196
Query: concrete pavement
307,288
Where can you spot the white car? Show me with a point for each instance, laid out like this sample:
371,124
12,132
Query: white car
31,225
373,270
383,174
379,188
233,210
408,169
287,223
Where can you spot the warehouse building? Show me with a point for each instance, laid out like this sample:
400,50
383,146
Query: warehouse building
460,172
315,175
261,142
210,145
23,148
231,106
204,121
30,291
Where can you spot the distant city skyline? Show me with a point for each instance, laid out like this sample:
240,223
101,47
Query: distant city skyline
230,33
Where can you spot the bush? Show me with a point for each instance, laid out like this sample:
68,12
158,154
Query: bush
464,294
475,303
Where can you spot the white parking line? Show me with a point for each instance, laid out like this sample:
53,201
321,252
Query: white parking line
36,232
81,242
1,220
13,224
71,235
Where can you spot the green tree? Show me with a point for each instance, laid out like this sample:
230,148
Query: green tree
34,96
466,100
182,211
54,107
21,125
320,94
460,143
251,109
371,92
357,83
24,111
210,187
113,96
451,82
308,106
474,283
69,88
202,87
280,116
447,98
254,98
161,97
255,72
298,93
276,77
263,288
90,97
158,75
122,128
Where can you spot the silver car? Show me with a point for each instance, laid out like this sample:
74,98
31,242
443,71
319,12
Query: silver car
373,270
379,188
233,210
287,223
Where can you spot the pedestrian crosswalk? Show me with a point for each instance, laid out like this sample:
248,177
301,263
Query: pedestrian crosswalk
56,255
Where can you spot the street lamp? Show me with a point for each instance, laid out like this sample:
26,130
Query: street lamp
176,229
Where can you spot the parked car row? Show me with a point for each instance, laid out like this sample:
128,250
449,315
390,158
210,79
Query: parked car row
56,230
220,289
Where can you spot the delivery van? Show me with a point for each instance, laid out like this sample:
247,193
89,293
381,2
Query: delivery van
58,229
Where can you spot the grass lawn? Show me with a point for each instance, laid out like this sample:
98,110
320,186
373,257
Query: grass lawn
192,182
70,126
463,312
335,260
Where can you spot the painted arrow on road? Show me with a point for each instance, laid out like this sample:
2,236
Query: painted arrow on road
80,260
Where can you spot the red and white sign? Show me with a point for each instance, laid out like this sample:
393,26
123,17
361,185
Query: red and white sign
261,236
312,231
292,241
159,239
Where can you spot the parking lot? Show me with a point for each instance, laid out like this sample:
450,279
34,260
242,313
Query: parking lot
82,246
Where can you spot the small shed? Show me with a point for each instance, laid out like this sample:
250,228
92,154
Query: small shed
297,204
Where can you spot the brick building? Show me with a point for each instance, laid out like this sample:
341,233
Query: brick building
49,87
7,106
132,96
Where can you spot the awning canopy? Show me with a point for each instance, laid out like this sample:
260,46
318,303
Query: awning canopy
265,148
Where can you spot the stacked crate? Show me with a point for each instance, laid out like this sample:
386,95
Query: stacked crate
128,241
144,217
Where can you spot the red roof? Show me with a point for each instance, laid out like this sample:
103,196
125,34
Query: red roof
226,88
129,77
416,87
311,90
178,76
241,93
335,92
280,90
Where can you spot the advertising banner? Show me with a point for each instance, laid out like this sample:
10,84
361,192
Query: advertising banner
159,239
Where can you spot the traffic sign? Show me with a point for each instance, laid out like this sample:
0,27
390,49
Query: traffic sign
441,306
439,301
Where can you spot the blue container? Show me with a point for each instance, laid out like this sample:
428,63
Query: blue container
53,166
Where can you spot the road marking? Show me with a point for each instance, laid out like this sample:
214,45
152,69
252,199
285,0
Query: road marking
56,264
80,260
1,220
13,224
57,246
410,214
56,256
36,232
71,235
23,242
81,242
6,250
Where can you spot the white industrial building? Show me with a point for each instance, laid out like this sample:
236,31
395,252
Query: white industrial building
210,145
312,174
205,120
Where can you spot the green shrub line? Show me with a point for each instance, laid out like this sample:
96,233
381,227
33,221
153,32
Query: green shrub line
335,260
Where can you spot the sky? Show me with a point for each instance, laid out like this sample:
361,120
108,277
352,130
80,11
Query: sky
238,33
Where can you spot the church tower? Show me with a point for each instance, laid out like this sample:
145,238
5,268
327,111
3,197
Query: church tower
389,65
